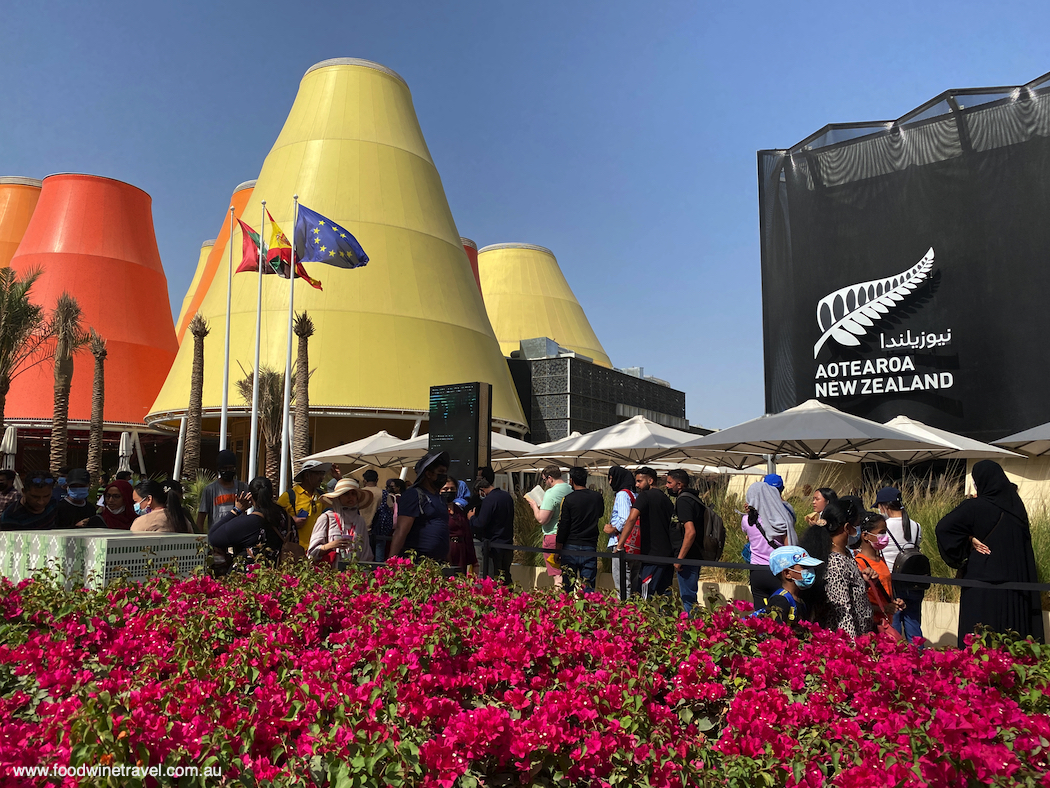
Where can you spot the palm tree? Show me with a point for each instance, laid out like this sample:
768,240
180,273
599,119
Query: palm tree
304,329
271,414
192,454
24,331
69,338
98,400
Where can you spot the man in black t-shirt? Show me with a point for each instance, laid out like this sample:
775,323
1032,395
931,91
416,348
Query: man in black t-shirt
689,511
581,510
494,521
655,510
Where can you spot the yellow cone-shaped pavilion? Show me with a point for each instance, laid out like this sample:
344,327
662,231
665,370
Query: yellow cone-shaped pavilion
18,199
205,276
352,150
526,296
202,262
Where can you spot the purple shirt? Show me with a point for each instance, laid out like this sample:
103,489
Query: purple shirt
760,548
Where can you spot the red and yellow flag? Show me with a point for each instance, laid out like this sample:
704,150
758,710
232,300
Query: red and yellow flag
281,250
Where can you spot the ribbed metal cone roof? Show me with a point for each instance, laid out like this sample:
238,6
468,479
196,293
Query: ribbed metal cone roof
352,149
18,199
527,296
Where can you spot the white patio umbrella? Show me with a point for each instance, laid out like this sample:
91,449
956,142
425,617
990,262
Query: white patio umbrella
954,447
506,452
363,451
9,447
1034,442
633,441
811,431
124,452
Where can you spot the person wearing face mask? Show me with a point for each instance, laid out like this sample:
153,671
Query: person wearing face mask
117,509
159,508
840,598
461,544
73,508
59,490
794,568
8,492
221,495
422,517
873,541
495,522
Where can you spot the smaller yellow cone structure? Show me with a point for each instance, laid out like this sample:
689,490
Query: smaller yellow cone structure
18,199
202,261
206,275
527,296
352,150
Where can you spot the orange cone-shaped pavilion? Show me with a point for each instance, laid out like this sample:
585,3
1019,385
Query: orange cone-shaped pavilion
205,274
93,238
18,198
471,249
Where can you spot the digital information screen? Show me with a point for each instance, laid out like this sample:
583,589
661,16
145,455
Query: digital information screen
461,424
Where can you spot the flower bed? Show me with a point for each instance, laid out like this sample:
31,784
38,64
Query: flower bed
401,678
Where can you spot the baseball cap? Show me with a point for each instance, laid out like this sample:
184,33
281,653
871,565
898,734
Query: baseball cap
887,495
78,476
786,557
227,457
774,480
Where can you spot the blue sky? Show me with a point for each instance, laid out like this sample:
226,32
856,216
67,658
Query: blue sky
622,136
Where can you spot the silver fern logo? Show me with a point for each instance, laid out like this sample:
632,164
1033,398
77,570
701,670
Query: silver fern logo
850,312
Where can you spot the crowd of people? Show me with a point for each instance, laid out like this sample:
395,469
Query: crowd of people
57,501
838,574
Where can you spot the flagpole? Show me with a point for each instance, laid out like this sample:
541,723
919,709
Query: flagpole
286,438
225,418
253,456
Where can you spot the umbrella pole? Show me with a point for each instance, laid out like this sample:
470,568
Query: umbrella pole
415,434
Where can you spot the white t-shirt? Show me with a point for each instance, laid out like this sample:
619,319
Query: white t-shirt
895,526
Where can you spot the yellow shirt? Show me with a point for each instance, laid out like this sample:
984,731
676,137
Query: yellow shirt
304,502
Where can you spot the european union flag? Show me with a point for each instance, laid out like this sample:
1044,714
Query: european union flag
320,240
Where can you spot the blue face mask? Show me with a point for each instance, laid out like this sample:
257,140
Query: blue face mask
60,481
809,577
138,508
77,493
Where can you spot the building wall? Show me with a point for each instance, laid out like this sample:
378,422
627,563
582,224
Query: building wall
568,394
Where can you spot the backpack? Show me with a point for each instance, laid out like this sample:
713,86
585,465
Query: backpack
910,559
711,535
714,535
383,519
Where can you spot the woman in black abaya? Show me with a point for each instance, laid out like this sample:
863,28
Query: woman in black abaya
989,535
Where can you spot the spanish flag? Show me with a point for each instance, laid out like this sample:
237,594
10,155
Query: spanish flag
278,255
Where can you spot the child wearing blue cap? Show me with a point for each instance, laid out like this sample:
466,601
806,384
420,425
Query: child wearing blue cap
794,567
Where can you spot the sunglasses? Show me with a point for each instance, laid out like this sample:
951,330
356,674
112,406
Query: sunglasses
40,481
